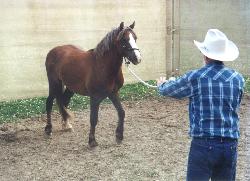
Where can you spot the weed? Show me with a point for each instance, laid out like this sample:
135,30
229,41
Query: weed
25,108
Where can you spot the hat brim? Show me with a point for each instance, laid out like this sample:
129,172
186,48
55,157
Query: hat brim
230,54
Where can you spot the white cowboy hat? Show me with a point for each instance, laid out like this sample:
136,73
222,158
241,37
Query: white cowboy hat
217,46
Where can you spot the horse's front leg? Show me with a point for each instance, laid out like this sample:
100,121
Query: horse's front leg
94,108
121,114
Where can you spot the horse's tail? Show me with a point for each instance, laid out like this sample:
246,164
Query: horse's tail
50,58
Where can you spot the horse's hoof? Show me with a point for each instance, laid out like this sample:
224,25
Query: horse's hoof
48,130
67,127
93,144
68,130
119,138
48,135
118,141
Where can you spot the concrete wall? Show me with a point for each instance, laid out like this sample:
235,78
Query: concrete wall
197,16
30,28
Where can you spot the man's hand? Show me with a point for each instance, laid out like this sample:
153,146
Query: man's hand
171,79
160,81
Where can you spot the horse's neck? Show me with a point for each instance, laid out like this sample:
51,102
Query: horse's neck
111,62
111,57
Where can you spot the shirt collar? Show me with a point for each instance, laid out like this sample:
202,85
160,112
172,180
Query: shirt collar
214,63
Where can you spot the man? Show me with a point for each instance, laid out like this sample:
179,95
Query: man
214,93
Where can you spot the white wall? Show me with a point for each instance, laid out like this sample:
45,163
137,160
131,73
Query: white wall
230,16
30,28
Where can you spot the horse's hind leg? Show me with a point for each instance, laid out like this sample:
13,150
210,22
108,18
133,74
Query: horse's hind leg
63,103
67,96
49,105
94,108
54,88
64,113
56,91
121,114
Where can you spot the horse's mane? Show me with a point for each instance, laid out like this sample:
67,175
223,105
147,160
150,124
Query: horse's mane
106,43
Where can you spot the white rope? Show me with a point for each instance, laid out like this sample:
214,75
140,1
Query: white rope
145,83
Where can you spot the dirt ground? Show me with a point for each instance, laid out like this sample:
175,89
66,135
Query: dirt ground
155,146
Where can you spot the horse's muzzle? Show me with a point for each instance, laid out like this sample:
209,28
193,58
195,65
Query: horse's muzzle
134,56
136,62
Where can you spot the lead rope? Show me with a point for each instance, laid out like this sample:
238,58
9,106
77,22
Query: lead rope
136,76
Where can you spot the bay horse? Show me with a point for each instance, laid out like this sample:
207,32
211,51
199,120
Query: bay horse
96,73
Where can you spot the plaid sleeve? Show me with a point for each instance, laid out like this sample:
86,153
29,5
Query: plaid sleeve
179,88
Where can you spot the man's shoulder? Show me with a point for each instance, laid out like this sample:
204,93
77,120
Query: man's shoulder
224,73
196,73
233,74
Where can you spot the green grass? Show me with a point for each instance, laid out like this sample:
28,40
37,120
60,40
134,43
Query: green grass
18,109
25,108
247,86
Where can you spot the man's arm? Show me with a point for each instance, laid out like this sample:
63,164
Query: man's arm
179,88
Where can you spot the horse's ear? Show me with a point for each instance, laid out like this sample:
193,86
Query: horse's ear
132,25
121,26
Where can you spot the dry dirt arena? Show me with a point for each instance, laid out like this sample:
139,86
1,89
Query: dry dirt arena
155,145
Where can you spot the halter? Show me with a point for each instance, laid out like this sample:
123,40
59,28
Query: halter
132,49
127,62
120,35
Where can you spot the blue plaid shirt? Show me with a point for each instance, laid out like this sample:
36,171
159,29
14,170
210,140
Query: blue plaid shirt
215,93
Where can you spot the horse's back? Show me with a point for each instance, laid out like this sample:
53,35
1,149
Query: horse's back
60,53
70,65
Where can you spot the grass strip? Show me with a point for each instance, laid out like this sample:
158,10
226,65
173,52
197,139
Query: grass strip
25,108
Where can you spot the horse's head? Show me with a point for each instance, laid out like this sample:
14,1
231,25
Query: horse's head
126,42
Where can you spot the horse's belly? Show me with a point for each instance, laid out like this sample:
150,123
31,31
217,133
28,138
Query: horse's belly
77,88
75,83
74,77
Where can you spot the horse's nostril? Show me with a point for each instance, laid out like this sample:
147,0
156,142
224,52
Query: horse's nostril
136,62
139,60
